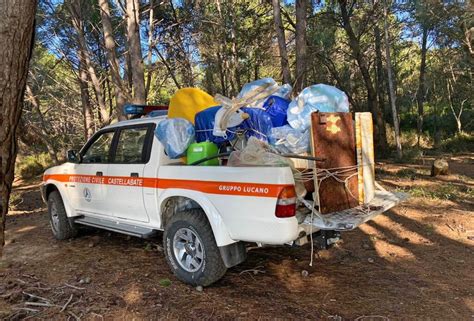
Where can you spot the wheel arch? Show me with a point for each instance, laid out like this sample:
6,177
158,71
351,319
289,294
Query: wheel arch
48,188
175,200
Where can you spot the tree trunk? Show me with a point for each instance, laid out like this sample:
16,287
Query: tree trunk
235,53
301,6
151,43
420,97
16,42
380,72
84,54
354,44
135,50
390,85
85,100
221,74
280,32
121,93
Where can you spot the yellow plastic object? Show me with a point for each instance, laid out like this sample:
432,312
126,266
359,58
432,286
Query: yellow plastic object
187,102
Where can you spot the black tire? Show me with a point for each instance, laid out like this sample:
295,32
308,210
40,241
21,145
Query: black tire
212,267
61,225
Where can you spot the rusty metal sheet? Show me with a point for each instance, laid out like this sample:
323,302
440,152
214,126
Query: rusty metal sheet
332,138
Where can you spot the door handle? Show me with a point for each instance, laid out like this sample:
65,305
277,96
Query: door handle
133,174
99,174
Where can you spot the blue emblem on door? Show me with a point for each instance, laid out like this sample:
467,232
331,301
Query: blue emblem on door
87,194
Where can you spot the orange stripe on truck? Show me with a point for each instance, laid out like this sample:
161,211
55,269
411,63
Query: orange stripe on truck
210,187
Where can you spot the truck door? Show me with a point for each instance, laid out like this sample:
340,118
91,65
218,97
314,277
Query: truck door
125,182
86,186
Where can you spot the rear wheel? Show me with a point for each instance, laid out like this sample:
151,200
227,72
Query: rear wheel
191,250
61,226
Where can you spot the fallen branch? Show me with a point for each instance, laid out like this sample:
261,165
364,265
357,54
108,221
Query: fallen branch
67,303
74,287
255,270
39,304
25,309
452,229
36,296
75,316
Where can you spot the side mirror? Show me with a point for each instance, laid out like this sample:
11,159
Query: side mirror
73,156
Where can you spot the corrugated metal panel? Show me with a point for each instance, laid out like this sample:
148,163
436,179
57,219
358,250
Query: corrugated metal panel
332,138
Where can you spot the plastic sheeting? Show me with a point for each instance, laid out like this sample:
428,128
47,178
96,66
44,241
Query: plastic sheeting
277,108
256,153
259,124
204,123
283,91
289,140
176,134
319,97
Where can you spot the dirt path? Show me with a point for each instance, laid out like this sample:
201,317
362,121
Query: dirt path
414,262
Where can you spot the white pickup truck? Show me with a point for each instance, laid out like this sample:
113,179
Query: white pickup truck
122,180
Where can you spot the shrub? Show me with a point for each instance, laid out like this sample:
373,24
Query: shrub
449,192
463,142
407,173
31,166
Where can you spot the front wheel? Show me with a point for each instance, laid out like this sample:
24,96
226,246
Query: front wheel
61,226
191,250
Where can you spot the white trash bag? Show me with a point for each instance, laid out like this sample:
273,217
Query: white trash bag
319,97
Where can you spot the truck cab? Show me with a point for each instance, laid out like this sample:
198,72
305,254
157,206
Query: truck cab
123,181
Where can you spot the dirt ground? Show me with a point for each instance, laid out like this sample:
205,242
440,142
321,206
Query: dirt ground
413,262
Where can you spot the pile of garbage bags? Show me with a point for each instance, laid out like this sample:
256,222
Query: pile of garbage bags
262,111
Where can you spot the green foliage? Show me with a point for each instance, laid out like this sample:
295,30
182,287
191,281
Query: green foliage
15,200
164,282
450,192
458,143
221,45
28,167
407,173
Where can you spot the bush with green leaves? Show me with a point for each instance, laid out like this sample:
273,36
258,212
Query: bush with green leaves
31,166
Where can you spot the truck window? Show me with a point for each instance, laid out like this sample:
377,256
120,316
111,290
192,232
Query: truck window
131,145
99,150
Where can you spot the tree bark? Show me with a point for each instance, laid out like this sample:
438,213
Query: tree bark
151,43
301,46
135,50
121,92
420,97
183,57
354,44
235,53
16,42
380,83
84,55
280,32
85,101
396,125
